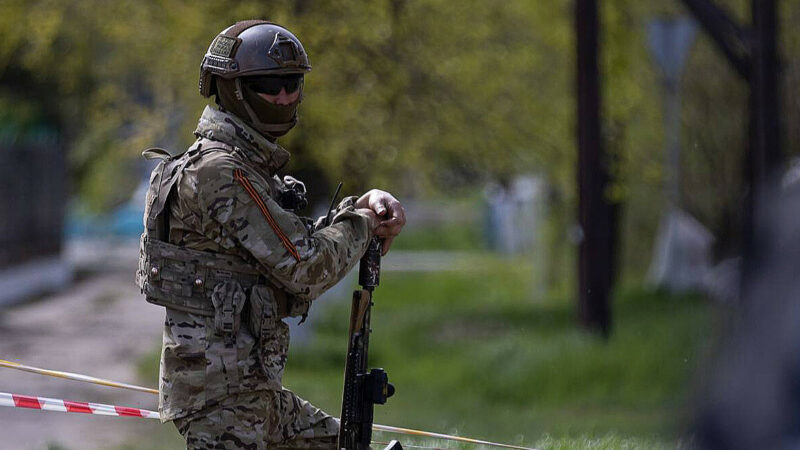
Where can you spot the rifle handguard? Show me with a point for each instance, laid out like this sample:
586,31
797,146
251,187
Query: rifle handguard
369,271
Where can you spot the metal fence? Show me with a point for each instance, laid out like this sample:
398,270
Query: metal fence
33,185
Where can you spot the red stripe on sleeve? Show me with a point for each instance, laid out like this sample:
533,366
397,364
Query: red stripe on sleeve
78,407
24,401
125,411
239,175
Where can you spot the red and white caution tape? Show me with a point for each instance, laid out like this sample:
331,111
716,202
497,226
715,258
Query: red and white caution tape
54,404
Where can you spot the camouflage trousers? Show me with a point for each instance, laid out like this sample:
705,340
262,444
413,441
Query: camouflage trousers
260,420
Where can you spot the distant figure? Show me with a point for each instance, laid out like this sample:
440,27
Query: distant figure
513,214
227,255
752,400
682,257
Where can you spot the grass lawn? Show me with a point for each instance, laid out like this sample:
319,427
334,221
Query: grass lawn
478,354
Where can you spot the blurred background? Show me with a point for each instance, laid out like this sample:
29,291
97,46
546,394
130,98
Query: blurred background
582,181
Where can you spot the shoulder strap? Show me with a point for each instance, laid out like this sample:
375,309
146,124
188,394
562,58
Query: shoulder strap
160,153
167,174
156,153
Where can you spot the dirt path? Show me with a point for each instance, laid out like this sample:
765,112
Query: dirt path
100,326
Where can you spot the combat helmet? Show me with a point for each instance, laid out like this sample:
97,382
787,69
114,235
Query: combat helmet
240,59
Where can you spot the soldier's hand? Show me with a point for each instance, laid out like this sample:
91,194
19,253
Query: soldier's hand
374,221
390,213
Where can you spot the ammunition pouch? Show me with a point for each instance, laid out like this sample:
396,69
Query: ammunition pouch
228,298
266,327
200,282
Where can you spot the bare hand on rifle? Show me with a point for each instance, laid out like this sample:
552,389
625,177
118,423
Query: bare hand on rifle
390,215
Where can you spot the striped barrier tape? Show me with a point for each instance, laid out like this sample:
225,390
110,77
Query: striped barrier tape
54,404
58,405
49,404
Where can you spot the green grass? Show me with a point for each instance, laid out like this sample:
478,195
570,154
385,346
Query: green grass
479,355
442,237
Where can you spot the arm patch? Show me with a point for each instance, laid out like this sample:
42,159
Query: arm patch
240,177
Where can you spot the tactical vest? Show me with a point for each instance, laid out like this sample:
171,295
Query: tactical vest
222,286
178,277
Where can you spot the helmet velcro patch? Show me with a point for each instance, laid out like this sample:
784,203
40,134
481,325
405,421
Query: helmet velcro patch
222,46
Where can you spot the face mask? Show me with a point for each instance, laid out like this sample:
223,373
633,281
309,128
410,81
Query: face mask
269,119
271,113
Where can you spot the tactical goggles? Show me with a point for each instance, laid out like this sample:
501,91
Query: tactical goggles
272,85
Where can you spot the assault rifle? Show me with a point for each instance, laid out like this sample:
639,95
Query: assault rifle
362,390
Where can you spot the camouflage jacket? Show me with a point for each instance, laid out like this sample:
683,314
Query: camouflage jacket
224,202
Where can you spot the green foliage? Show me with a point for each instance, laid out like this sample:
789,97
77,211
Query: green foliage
410,96
393,94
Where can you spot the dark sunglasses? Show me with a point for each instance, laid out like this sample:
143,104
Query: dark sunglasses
272,85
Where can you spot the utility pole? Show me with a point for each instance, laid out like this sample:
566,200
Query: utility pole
596,215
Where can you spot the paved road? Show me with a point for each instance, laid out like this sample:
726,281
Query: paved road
100,326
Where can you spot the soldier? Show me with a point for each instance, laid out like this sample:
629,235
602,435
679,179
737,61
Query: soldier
225,253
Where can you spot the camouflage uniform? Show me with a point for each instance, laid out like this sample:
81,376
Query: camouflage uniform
273,419
234,263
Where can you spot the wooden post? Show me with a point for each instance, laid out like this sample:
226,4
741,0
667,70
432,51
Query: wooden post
763,159
765,155
595,259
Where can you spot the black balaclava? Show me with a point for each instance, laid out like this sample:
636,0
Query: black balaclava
271,120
